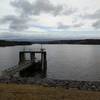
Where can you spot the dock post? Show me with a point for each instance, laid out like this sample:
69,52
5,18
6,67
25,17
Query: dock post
42,60
44,65
32,54
21,57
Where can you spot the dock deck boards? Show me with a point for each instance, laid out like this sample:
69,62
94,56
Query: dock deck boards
17,68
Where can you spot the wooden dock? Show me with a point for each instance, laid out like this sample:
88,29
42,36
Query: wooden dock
14,70
24,64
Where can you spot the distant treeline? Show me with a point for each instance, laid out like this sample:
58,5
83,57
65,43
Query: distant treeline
13,43
85,41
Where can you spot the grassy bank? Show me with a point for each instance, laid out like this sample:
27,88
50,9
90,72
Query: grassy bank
37,92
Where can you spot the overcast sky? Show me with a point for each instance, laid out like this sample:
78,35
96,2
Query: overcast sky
49,19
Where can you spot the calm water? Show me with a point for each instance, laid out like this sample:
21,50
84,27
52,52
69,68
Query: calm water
77,62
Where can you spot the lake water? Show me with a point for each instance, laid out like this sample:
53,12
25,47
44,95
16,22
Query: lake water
72,62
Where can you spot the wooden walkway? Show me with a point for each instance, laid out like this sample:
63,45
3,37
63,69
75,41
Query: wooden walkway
13,70
23,63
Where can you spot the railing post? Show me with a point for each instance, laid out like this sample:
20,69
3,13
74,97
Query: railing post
42,60
21,57
45,64
32,54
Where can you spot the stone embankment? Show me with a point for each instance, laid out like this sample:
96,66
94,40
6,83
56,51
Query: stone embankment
82,85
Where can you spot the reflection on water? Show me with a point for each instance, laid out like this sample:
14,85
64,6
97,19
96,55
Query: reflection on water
77,62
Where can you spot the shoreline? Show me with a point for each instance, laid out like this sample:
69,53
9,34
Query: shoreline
38,92
67,84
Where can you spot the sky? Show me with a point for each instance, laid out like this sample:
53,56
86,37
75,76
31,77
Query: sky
49,19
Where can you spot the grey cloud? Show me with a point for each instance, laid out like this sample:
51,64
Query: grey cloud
69,11
37,7
16,22
7,18
63,26
96,15
23,6
26,9
45,6
77,25
58,10
96,24
41,6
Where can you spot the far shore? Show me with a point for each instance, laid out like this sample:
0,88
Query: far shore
4,43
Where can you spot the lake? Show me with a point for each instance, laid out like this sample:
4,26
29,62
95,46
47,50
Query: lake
68,62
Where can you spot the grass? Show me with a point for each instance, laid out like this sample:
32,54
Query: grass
37,92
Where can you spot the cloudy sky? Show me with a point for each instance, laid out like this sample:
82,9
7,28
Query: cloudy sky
38,19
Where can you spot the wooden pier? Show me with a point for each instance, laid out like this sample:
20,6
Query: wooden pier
27,68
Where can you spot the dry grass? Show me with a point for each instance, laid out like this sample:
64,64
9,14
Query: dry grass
36,92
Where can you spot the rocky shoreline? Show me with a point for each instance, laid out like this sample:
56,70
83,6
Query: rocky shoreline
81,85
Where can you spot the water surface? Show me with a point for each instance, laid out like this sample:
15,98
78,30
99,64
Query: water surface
73,62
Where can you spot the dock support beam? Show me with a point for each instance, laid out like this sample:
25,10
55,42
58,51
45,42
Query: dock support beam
32,54
44,63
21,57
